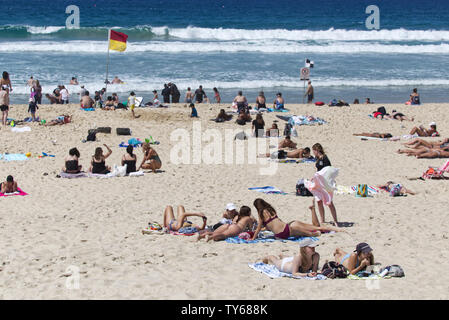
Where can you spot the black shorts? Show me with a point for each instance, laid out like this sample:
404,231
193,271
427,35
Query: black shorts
4,107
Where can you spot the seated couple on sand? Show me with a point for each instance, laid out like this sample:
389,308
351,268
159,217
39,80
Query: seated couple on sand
97,165
150,161
9,186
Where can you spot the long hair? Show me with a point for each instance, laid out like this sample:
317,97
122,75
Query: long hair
259,119
245,211
318,147
129,149
5,75
262,205
74,152
98,153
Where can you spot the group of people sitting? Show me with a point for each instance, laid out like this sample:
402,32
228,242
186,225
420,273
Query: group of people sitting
150,160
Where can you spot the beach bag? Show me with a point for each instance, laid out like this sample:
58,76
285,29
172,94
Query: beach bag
301,189
92,135
361,191
333,270
104,129
123,131
393,271
382,110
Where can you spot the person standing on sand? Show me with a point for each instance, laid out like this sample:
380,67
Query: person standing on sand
37,89
217,96
64,95
189,96
166,93
174,92
5,81
4,103
132,103
309,92
199,94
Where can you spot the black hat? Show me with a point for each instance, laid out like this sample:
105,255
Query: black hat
363,247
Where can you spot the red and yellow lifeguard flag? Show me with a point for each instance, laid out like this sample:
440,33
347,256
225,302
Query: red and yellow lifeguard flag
117,40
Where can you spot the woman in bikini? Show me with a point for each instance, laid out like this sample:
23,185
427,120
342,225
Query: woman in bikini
98,163
9,186
151,159
71,162
399,116
357,260
423,132
5,81
429,153
174,224
374,135
241,222
303,264
417,143
217,96
395,189
130,159
278,103
269,219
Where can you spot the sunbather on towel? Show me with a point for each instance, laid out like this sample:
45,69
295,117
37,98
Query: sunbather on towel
228,216
399,116
151,159
374,135
303,264
71,162
423,132
174,224
417,143
60,120
287,143
356,261
282,154
395,189
269,219
240,223
9,186
428,153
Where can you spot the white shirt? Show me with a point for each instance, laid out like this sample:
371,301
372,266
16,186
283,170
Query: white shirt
64,94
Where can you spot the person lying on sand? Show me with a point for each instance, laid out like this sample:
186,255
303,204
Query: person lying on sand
357,260
269,219
374,135
223,116
428,153
151,159
9,186
287,143
60,120
98,163
174,224
417,143
395,189
241,222
305,263
71,162
282,154
422,132
399,116
243,117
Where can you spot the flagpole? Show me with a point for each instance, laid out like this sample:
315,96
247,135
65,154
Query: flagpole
107,62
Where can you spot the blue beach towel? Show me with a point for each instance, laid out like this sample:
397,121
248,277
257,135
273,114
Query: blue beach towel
237,240
268,190
14,157
305,120
273,272
88,109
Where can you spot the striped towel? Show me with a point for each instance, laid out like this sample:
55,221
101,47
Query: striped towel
237,240
268,190
273,272
371,189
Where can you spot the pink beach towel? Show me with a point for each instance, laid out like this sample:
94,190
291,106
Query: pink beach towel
323,185
19,192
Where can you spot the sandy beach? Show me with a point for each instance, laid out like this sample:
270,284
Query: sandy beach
94,225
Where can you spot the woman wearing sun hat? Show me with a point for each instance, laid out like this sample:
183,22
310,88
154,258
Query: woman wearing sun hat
356,261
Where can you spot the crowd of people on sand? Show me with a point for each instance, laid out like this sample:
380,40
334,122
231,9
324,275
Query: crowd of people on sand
150,160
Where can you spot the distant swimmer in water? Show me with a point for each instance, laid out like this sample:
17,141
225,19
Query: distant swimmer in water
74,81
116,80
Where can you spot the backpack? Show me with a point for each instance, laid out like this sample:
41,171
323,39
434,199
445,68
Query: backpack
92,135
333,270
301,189
362,191
382,110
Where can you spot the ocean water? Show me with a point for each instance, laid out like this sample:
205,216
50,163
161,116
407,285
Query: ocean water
251,45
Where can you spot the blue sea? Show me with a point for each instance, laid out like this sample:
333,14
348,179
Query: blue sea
250,45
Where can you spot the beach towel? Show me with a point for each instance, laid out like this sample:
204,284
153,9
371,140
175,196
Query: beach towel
268,190
14,157
362,276
277,110
323,185
273,272
73,175
305,120
24,129
176,233
267,236
19,192
88,109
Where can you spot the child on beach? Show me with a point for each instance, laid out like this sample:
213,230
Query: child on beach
132,103
32,108
194,113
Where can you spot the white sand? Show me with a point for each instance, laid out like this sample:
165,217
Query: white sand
95,224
